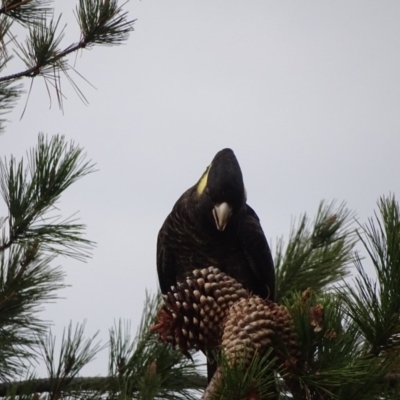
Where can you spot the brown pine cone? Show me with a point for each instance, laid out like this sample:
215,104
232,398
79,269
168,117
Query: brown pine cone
249,327
285,343
211,309
193,314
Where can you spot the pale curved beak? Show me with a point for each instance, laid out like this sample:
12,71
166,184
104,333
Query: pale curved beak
221,213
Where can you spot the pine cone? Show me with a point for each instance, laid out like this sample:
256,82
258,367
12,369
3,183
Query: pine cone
285,343
249,327
193,314
211,309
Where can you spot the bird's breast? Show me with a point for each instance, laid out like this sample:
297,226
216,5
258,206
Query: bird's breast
194,251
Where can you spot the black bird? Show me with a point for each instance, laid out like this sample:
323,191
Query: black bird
211,224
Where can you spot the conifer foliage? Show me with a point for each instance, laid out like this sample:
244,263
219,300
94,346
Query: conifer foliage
329,335
33,231
43,53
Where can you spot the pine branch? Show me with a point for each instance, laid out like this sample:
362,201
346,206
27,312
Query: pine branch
31,193
26,282
31,230
317,255
98,384
41,51
9,91
243,380
9,94
140,367
102,22
26,11
332,360
375,305
104,385
75,353
147,368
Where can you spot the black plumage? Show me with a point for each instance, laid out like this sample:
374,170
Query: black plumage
212,225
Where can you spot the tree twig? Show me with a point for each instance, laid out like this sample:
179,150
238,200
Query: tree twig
35,70
5,9
99,384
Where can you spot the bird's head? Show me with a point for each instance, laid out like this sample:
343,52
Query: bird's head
221,189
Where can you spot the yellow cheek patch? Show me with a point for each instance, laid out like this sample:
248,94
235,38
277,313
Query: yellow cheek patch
203,181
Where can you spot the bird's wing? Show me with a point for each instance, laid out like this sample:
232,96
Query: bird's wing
165,263
258,254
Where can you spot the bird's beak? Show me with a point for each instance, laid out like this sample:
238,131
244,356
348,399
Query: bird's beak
221,213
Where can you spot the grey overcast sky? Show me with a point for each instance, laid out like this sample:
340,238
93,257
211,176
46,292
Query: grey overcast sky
307,94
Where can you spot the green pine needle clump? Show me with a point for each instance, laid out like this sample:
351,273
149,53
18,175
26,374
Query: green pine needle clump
148,369
43,51
32,191
332,357
31,236
317,254
375,305
243,381
103,22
